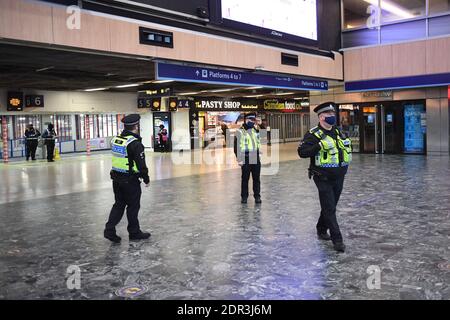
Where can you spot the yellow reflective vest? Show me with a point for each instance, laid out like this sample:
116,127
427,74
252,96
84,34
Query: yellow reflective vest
333,152
120,161
249,142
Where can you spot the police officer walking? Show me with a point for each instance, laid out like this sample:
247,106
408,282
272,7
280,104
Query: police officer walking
247,144
330,153
50,136
128,167
31,141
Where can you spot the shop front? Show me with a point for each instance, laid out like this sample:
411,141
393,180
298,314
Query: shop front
215,120
394,127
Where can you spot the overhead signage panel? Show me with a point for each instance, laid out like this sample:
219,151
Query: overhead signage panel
165,71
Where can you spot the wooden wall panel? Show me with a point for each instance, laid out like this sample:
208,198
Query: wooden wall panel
438,55
94,32
25,21
124,38
353,65
409,58
377,62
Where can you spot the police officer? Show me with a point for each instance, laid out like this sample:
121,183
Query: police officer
50,136
330,154
128,167
247,144
31,139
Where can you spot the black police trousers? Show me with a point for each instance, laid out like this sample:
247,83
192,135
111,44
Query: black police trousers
255,171
50,149
127,195
329,194
31,146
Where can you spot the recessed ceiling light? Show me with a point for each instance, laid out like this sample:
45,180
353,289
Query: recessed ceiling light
254,96
96,89
128,85
284,93
188,93
222,90
162,81
253,88
44,69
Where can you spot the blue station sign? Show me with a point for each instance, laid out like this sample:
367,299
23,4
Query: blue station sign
166,71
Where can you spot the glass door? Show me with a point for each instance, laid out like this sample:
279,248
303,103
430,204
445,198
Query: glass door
369,130
391,128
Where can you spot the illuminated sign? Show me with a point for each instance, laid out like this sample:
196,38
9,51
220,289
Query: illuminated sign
165,71
34,101
173,104
15,101
284,106
156,105
225,105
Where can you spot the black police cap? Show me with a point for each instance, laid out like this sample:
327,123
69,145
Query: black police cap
250,115
324,107
131,119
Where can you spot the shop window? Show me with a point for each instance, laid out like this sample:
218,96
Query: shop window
360,14
100,125
20,123
403,31
438,6
359,38
63,127
397,10
439,26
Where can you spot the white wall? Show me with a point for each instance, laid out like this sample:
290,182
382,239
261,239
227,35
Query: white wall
147,129
181,139
77,102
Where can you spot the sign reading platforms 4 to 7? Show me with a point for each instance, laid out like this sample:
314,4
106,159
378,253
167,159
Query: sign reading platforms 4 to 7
165,71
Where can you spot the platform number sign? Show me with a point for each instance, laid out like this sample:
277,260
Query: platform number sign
184,103
144,103
15,101
34,101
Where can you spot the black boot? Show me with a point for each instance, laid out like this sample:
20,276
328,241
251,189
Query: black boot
323,236
139,236
339,246
112,237
243,200
258,200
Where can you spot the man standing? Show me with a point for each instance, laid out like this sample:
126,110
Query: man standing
330,155
50,136
246,148
128,167
31,141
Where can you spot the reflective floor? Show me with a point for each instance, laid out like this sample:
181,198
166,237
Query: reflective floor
394,214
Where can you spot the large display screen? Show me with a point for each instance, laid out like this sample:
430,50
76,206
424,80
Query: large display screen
292,17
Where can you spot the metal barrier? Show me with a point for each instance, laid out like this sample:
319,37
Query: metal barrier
16,147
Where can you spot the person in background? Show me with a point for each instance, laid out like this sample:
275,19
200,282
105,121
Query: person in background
31,141
247,147
49,137
163,138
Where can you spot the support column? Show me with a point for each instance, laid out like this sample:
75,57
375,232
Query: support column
5,139
87,134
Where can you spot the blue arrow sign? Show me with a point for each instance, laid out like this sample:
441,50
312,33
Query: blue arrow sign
165,71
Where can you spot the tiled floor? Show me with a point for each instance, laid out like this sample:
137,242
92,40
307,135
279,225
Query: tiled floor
394,215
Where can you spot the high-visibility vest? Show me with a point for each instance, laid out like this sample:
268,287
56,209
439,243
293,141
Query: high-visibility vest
120,161
328,156
249,142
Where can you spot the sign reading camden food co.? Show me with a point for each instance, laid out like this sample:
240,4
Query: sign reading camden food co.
282,106
226,104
